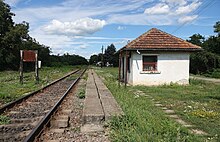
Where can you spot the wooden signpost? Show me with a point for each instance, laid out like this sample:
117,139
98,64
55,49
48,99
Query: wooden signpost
29,56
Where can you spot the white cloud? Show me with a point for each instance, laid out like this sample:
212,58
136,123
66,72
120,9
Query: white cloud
166,10
160,8
12,2
67,32
79,27
186,19
70,10
121,28
98,38
188,8
175,2
83,46
141,19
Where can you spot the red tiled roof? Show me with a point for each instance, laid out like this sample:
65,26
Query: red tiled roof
157,39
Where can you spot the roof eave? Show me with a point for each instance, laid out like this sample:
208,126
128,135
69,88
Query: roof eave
163,49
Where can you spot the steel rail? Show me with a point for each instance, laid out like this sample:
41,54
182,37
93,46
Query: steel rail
13,103
44,121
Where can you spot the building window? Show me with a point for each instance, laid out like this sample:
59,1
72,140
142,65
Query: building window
150,63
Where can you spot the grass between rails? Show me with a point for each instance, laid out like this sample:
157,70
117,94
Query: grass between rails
197,103
11,89
4,120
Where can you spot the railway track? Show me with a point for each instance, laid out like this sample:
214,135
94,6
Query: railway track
30,114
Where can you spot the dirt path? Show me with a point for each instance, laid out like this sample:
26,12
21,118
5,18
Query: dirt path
206,79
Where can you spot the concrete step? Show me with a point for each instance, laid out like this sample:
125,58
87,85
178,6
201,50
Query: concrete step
92,111
54,130
61,121
91,128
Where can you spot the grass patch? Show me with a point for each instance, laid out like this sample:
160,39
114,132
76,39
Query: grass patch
197,103
4,120
213,74
81,93
11,89
142,120
85,76
73,77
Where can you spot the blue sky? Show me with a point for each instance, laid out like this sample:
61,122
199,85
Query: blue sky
83,26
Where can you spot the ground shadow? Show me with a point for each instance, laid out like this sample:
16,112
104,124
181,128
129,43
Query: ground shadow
214,97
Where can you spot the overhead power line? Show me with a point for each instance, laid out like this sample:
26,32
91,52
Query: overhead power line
198,13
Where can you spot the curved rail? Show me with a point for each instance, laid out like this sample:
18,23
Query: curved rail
39,128
13,103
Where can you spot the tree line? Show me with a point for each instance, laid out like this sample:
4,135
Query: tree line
14,37
208,60
109,58
67,59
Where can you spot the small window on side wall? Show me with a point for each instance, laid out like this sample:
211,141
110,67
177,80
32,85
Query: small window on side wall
150,63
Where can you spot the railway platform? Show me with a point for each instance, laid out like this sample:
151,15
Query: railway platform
99,105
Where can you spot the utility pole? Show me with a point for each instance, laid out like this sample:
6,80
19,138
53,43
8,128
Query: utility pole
102,56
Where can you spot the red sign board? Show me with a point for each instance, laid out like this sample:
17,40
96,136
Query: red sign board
29,56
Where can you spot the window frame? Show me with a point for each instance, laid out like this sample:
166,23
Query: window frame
150,63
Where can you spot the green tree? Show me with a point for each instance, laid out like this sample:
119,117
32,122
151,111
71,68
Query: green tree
5,18
6,23
208,59
67,59
204,61
43,51
13,42
109,55
93,59
212,44
197,39
116,59
13,38
217,27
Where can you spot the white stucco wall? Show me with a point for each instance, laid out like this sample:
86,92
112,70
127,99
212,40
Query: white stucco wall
172,67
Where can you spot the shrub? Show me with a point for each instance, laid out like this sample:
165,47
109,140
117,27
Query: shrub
81,94
203,62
